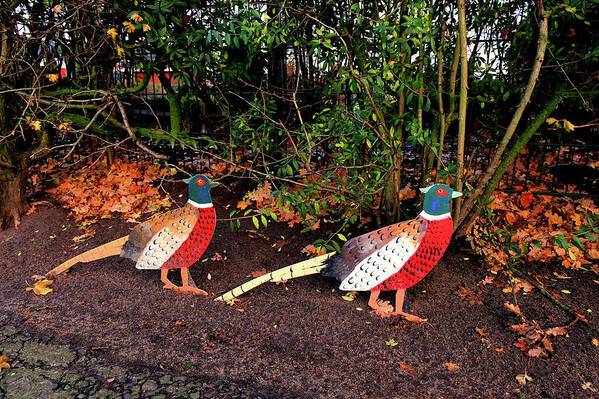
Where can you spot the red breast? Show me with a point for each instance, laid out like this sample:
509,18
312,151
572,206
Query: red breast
430,250
196,243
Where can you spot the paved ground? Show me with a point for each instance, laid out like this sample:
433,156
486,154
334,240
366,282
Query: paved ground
45,370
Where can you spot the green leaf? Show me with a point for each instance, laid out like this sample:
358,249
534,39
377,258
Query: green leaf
256,222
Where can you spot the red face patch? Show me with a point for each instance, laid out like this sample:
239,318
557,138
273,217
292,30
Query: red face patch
441,192
200,182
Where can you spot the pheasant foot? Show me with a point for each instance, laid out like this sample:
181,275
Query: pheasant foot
190,290
408,316
188,286
380,308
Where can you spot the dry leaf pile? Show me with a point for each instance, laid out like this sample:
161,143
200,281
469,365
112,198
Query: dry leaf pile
100,191
538,228
534,340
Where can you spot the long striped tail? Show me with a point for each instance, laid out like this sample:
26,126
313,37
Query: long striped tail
305,268
103,251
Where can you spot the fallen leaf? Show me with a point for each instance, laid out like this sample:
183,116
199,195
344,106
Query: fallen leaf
84,236
547,344
521,343
523,378
451,366
217,257
513,308
110,380
4,362
499,350
391,342
526,199
556,331
232,302
535,352
589,386
406,367
595,341
520,328
31,210
41,287
488,280
481,332
258,273
311,250
350,296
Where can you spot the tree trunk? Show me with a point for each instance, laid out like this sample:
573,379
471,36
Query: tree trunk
391,200
463,103
13,202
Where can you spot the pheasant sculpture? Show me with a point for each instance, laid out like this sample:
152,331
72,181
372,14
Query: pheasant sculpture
172,240
392,258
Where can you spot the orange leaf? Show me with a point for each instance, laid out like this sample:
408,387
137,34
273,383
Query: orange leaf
41,287
310,249
520,328
547,344
526,199
52,77
535,352
4,362
510,217
521,343
556,331
316,225
407,368
451,366
513,308
259,273
554,219
242,204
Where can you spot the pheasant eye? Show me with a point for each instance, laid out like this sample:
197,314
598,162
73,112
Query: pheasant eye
200,182
442,192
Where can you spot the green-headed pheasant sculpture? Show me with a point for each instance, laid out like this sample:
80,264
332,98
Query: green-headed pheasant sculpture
173,240
392,258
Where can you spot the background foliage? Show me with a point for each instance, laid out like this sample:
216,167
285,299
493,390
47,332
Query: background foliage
338,110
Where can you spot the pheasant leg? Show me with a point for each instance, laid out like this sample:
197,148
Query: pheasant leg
380,308
165,280
186,287
399,299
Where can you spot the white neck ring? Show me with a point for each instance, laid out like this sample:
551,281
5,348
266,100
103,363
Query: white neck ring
428,216
209,205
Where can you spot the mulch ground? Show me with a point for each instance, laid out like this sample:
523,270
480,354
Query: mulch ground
299,339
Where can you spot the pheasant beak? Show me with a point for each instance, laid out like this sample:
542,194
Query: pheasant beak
215,184
456,194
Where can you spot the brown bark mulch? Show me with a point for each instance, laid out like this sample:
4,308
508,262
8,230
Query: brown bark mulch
299,339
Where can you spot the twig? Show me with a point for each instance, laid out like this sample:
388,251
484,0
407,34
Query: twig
537,284
132,133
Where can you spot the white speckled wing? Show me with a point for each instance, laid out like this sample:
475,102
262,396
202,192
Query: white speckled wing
164,244
381,265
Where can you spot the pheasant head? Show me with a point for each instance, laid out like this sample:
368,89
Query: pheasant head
436,199
198,188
